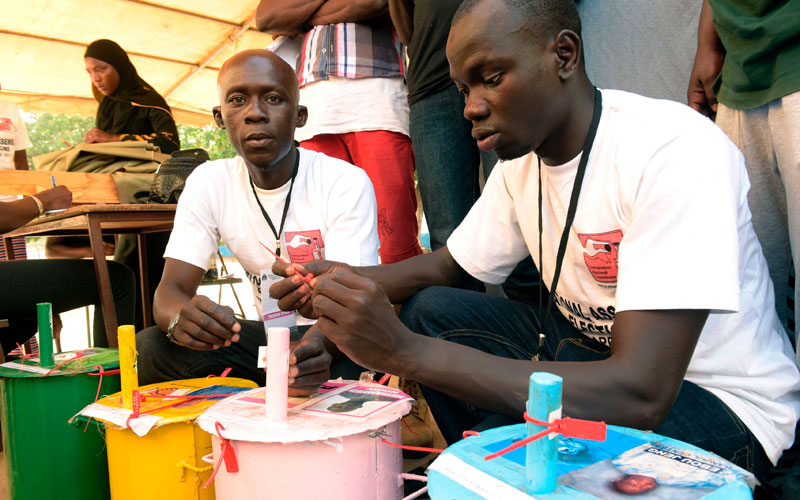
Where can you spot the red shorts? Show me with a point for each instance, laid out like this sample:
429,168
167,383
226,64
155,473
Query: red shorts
388,160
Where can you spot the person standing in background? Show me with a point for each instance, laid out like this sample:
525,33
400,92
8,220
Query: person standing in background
351,72
447,157
746,76
13,143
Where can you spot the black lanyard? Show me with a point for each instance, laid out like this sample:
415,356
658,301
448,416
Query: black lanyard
285,206
573,206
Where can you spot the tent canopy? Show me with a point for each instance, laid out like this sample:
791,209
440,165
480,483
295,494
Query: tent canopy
177,46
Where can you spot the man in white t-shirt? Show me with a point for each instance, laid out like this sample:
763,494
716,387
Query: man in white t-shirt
661,257
295,202
351,70
13,141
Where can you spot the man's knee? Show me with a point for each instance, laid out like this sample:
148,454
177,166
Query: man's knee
423,305
150,344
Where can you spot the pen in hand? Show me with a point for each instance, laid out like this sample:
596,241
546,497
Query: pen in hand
53,178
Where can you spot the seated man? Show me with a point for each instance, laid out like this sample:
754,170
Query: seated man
66,284
274,194
661,258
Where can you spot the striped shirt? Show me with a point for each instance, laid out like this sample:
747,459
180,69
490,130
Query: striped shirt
350,50
18,244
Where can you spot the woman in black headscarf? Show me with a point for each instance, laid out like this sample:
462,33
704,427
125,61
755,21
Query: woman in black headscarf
130,110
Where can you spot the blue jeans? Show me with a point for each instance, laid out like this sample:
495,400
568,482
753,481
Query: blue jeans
448,161
508,329
448,165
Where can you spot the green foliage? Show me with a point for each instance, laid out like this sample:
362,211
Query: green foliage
212,139
49,132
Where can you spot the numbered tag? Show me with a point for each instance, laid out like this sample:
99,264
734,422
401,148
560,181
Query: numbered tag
271,313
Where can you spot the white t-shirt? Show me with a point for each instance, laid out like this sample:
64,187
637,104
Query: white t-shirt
331,215
662,223
13,138
341,105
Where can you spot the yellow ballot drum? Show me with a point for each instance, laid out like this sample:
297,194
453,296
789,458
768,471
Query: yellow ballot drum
159,453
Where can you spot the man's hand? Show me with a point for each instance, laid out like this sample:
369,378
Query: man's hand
700,95
55,198
357,316
309,364
707,65
96,135
294,293
205,325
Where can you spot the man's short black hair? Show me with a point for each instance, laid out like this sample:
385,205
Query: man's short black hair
541,18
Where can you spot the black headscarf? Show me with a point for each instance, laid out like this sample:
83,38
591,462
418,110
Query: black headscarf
117,111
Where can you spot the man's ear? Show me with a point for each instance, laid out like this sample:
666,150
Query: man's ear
302,115
216,111
569,51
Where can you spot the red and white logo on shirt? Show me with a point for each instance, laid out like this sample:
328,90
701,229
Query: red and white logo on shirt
305,246
602,254
5,124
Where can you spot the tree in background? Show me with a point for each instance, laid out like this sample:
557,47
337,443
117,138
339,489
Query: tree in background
53,132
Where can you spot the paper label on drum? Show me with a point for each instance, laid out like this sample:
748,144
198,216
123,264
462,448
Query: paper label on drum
476,480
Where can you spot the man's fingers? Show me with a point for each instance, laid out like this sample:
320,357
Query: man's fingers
326,306
210,332
305,349
711,99
309,372
294,278
209,322
219,319
331,330
286,269
279,267
186,340
289,292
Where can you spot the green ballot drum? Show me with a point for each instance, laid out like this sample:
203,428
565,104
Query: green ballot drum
45,455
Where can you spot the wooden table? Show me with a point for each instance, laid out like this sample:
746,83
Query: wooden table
98,220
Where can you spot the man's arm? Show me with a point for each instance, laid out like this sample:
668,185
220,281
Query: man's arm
398,281
636,386
285,16
56,248
402,13
403,279
14,214
707,65
349,11
203,324
21,160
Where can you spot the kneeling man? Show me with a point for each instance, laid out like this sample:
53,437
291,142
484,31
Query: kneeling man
661,312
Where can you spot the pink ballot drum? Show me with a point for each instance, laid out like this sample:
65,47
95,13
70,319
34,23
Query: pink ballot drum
330,446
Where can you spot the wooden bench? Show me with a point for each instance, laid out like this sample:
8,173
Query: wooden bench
86,188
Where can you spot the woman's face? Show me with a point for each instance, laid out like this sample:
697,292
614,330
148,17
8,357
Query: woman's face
103,75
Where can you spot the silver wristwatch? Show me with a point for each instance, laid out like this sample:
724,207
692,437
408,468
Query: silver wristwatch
171,329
